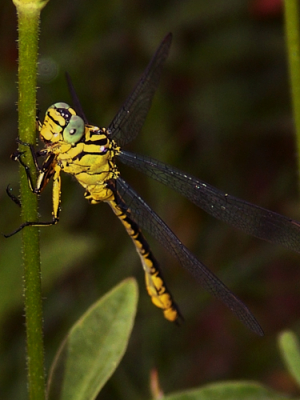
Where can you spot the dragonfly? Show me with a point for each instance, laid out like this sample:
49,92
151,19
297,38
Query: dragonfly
90,153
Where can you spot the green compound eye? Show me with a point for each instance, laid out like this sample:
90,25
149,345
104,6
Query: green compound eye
61,105
74,131
58,105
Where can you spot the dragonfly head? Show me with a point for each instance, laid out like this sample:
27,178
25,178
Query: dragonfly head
61,123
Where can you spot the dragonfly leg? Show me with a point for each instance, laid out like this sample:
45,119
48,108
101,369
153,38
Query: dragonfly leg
31,223
12,196
17,156
48,170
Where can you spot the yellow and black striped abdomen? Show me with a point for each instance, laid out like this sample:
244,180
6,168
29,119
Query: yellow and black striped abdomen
155,284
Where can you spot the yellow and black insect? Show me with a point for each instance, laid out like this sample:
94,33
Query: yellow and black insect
89,154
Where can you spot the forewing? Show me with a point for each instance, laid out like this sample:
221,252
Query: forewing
130,118
76,103
247,217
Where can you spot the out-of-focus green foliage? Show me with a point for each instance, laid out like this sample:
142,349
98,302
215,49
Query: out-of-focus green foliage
289,346
222,113
229,391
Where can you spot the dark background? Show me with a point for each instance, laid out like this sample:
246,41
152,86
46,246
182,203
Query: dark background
222,113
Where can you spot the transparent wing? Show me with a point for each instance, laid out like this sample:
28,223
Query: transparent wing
131,116
76,103
249,218
150,221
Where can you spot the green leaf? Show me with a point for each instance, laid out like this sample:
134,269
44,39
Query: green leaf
229,391
289,347
94,346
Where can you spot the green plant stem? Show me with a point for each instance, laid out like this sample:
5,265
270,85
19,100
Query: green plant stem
28,23
293,45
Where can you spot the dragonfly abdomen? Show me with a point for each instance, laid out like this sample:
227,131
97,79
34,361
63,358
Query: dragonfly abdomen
155,283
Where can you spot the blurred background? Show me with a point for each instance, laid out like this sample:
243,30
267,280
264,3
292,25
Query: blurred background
222,113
